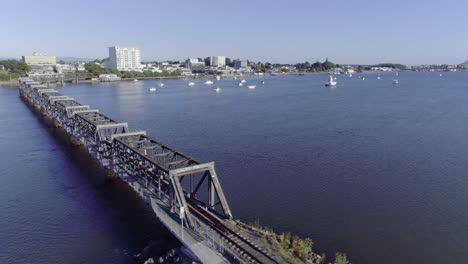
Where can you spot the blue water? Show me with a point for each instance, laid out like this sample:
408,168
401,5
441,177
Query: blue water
55,207
368,168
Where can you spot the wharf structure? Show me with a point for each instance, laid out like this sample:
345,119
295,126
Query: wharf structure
185,195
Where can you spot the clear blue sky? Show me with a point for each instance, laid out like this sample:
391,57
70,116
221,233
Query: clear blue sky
356,31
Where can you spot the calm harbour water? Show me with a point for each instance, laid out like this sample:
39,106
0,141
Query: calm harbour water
371,169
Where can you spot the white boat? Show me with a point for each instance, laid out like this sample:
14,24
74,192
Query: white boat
240,84
263,82
135,80
243,81
252,86
395,82
363,78
161,84
350,75
331,81
191,84
209,82
218,78
218,89
152,89
378,77
440,75
334,78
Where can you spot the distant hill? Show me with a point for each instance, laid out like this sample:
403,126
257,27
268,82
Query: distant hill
73,59
465,63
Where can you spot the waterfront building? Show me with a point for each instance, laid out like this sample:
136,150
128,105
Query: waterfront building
195,65
109,77
124,58
69,67
186,72
381,69
239,64
80,67
217,61
39,59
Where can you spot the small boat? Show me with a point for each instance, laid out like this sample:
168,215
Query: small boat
252,86
395,82
440,75
363,78
334,78
161,84
350,75
240,84
243,81
152,89
191,84
263,82
218,78
135,80
331,81
378,77
218,89
209,82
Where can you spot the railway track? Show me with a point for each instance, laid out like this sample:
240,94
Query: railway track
245,248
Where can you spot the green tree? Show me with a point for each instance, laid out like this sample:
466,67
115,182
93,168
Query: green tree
15,66
327,65
341,258
96,69
7,76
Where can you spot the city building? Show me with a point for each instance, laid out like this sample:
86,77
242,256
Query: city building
381,69
195,65
39,59
217,61
186,72
69,67
239,64
124,58
109,77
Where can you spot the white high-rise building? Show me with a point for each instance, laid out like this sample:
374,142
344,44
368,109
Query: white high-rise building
124,58
217,61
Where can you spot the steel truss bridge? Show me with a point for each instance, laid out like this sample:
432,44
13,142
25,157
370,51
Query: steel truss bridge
186,195
67,77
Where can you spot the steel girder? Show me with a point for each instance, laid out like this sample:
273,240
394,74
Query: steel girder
97,128
165,160
178,177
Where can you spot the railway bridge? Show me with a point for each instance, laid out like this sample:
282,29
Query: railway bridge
185,194
68,77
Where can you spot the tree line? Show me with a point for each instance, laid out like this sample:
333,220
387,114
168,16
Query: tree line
12,69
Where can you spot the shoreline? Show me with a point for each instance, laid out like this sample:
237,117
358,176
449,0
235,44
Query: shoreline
207,76
14,82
